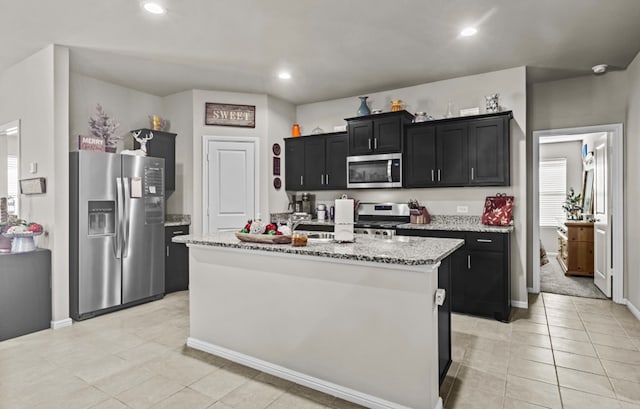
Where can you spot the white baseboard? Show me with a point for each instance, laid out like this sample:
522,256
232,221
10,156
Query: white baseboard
67,322
632,308
330,388
520,304
531,290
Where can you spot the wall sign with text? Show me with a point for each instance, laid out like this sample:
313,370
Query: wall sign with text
230,115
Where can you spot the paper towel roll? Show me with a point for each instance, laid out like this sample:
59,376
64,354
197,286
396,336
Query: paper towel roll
344,211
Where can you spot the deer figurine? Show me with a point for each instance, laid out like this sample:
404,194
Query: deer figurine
142,141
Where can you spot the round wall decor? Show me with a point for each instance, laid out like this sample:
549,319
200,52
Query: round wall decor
276,149
277,183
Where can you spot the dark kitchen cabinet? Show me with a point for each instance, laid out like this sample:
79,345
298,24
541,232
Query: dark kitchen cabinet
480,272
25,293
458,152
444,319
489,152
317,162
436,155
294,163
377,134
162,145
176,264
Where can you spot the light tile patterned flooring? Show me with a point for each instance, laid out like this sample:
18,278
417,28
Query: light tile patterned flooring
563,352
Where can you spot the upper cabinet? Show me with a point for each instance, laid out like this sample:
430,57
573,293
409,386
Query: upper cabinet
468,151
378,133
162,145
317,162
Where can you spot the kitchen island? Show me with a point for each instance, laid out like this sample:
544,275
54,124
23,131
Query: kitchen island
354,320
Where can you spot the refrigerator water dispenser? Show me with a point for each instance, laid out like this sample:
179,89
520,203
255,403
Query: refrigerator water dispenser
102,217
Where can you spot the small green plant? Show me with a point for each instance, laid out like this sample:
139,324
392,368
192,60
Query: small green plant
571,205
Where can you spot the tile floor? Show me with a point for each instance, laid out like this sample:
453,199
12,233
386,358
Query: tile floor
563,352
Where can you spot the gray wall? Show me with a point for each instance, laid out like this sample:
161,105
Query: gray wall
571,151
463,92
582,101
631,188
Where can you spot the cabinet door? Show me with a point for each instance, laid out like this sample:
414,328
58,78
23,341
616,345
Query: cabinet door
444,319
360,137
387,135
336,150
163,145
176,276
294,163
488,152
420,157
484,284
452,154
314,162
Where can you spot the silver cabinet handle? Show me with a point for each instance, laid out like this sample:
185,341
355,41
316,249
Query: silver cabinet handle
484,241
375,143
178,232
127,215
322,179
167,251
301,180
438,175
472,174
369,143
469,261
326,179
432,178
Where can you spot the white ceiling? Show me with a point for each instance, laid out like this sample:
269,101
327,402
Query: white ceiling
333,48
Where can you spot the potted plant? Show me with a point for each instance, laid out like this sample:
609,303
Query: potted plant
572,206
103,126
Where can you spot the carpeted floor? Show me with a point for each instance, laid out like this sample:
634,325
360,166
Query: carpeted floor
553,280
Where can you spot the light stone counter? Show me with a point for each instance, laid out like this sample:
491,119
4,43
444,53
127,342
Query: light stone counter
397,250
457,223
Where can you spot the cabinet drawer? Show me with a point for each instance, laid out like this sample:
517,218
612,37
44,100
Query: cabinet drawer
485,241
580,234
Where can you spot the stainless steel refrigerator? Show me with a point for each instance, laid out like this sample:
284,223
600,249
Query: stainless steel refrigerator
116,245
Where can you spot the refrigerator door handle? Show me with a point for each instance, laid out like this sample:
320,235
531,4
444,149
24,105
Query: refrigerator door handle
125,227
120,209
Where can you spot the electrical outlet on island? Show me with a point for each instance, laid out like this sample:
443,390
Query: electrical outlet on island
462,209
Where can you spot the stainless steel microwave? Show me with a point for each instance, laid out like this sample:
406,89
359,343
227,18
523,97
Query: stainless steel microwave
372,171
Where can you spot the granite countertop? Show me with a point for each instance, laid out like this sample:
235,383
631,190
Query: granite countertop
457,223
177,220
401,250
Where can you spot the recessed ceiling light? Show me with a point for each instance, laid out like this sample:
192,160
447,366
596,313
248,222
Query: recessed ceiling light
600,68
284,75
154,8
468,32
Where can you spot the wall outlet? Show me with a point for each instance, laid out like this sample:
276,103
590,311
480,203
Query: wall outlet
462,209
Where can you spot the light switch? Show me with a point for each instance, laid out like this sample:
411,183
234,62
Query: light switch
33,167
441,294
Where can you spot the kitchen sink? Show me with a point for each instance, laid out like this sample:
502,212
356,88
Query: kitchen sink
318,236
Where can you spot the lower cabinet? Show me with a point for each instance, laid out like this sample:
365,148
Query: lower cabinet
25,293
176,264
480,272
444,320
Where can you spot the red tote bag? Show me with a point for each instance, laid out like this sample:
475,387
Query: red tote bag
498,210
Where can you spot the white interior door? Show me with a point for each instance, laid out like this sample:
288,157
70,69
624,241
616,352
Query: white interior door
231,184
602,239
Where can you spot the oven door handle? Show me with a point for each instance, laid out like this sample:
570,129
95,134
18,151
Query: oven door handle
389,178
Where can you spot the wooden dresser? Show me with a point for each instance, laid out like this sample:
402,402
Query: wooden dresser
575,248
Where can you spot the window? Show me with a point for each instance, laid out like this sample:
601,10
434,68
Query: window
12,184
553,190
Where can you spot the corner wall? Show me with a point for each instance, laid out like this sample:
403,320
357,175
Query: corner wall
36,91
632,186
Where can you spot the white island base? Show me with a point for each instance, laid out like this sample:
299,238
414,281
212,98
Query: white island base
362,331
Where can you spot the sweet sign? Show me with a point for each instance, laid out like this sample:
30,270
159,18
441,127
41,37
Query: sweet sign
230,115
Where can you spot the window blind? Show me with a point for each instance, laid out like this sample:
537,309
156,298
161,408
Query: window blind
12,184
553,190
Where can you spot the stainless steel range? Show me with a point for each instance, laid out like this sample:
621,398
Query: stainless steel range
381,219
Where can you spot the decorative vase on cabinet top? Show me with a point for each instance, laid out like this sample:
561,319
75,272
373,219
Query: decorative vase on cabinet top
364,109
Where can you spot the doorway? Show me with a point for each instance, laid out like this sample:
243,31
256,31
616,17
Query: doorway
230,189
606,218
